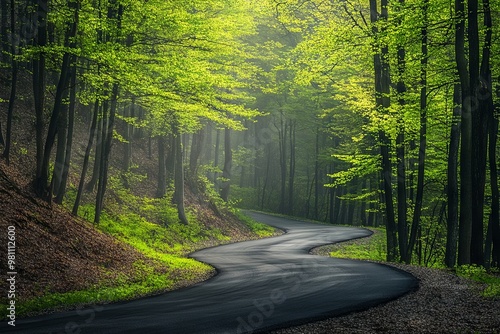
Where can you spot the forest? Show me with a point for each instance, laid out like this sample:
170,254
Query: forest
369,113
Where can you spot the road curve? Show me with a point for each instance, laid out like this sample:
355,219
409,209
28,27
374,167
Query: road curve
261,284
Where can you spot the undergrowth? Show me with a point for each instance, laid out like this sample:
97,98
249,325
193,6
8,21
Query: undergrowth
374,248
150,226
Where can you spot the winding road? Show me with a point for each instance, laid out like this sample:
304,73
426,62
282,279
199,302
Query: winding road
261,285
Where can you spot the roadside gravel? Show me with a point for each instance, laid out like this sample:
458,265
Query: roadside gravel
444,303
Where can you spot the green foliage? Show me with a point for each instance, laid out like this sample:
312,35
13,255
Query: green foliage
481,275
260,229
372,248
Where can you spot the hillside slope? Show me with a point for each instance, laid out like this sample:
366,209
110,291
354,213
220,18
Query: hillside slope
63,261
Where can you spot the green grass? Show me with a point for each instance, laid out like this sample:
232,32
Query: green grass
374,248
481,275
370,248
166,243
260,229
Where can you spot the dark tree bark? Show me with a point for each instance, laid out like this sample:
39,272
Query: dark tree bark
62,127
162,170
382,90
86,158
196,149
69,141
179,176
129,129
105,153
422,136
39,79
170,159
452,187
5,28
465,224
216,160
479,133
42,180
291,173
495,197
96,170
228,162
282,135
13,84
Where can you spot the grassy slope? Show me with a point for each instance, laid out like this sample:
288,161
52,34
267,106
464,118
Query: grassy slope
65,262
373,248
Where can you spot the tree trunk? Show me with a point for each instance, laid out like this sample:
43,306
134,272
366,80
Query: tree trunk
179,176
86,158
42,181
282,135
422,137
69,144
196,148
465,224
105,153
291,174
5,28
127,152
216,160
12,97
162,177
62,127
479,134
228,161
452,187
382,91
40,40
96,170
495,207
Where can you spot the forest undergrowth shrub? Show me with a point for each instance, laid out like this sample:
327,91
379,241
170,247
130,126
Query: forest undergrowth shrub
372,248
481,275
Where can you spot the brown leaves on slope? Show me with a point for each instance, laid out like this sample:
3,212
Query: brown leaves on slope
55,252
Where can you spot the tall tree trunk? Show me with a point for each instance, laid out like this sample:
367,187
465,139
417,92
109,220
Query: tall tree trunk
196,148
479,136
316,176
228,161
282,135
291,173
40,22
69,144
465,224
170,160
179,176
4,33
86,158
62,127
162,170
105,153
382,90
216,160
401,155
42,181
12,97
127,152
96,170
495,207
422,136
452,187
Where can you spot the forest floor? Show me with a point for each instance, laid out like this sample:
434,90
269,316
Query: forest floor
65,262
444,303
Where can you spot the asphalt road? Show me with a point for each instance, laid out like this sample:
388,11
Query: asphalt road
261,284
